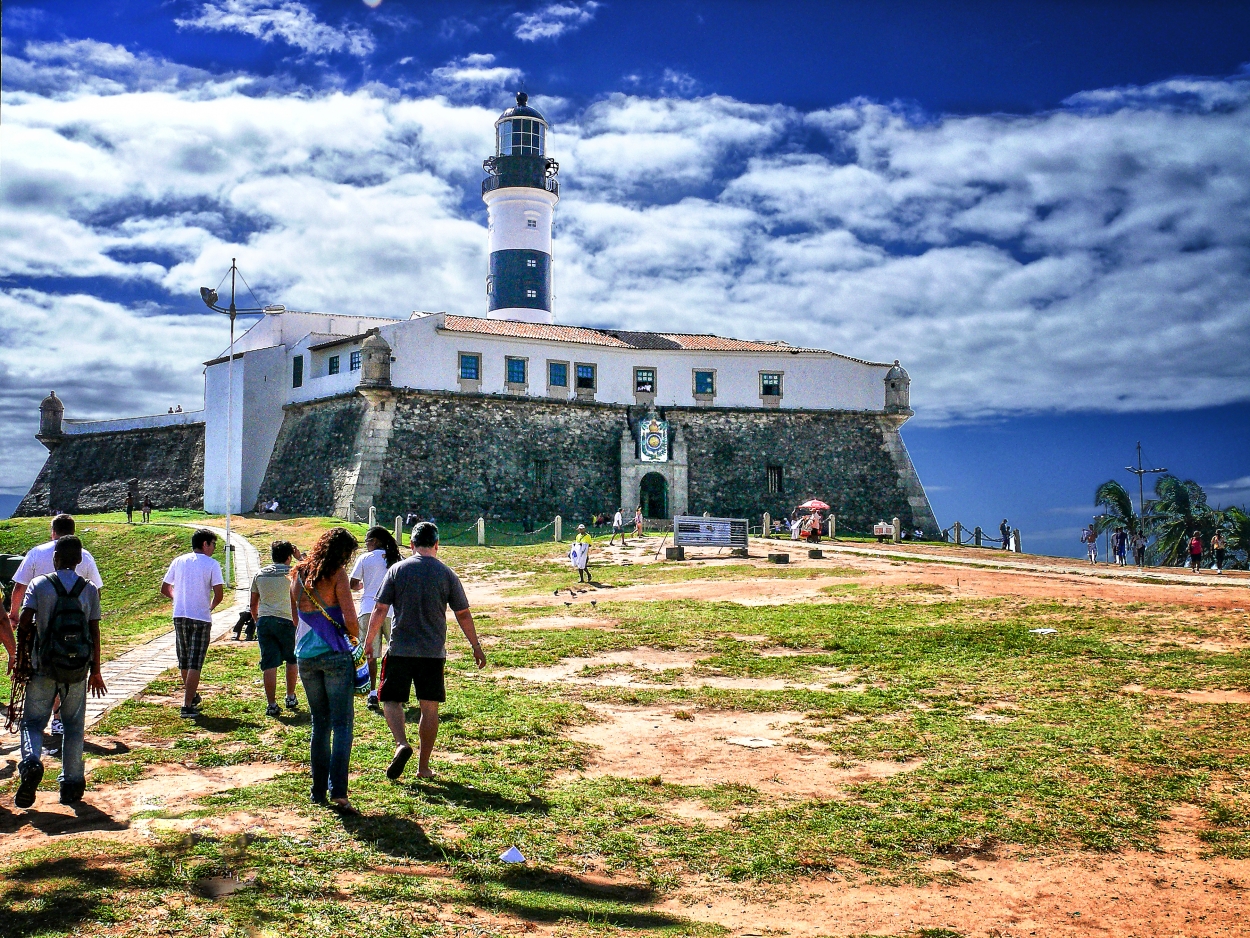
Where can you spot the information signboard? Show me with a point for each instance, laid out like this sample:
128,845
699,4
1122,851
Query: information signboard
696,531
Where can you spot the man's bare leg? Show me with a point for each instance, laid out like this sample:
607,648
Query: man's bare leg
427,730
270,677
393,710
192,681
292,678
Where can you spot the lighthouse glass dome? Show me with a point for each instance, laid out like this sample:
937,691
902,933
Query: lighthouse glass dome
522,136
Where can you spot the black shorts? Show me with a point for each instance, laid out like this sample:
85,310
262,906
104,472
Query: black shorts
400,673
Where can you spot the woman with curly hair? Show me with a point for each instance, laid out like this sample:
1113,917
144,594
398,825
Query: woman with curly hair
327,630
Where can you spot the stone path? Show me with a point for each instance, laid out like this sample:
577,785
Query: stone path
128,674
1055,566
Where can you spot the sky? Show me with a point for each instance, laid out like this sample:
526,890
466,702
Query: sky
1042,209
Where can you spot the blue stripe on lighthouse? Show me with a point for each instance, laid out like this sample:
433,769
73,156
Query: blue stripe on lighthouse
521,279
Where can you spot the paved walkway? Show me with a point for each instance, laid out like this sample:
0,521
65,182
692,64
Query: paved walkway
128,674
1055,566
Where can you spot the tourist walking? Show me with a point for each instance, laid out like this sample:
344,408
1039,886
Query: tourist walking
327,630
1195,552
638,521
1119,545
130,508
382,553
147,509
37,563
195,584
274,615
420,589
579,554
1219,547
59,626
1089,537
618,527
1139,549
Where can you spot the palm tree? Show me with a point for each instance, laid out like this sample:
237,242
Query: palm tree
1237,530
1177,511
1118,505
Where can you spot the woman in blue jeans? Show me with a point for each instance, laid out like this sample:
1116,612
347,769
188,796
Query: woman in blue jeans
324,638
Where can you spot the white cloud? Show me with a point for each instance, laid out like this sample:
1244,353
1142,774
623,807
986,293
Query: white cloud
1228,493
1091,258
287,20
554,20
474,74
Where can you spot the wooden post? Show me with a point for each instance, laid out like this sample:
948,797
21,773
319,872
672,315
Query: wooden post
833,526
959,534
373,516
976,535
481,532
898,531
399,530
559,527
1015,541
768,524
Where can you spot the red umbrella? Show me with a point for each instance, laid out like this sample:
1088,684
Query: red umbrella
815,504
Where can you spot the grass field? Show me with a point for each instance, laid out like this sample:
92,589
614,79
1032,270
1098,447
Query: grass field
940,729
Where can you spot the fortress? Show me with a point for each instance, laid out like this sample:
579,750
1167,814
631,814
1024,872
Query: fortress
511,416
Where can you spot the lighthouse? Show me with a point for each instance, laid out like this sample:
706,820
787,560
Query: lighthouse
520,192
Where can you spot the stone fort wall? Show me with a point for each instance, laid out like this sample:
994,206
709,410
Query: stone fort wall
92,472
460,456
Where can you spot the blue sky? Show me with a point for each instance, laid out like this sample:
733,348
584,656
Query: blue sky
1043,209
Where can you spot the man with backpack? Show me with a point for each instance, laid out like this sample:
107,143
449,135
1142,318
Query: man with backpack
60,621
38,562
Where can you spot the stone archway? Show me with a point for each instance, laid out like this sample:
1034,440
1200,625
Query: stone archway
653,496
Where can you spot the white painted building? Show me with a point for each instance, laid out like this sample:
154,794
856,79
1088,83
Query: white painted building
292,357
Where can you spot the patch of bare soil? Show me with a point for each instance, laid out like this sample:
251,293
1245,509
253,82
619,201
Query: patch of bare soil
1193,696
106,811
559,623
609,670
755,749
1171,892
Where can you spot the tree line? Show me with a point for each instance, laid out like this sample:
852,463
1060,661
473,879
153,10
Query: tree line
1178,509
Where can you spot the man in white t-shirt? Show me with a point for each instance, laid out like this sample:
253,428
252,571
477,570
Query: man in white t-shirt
618,527
195,584
382,552
37,563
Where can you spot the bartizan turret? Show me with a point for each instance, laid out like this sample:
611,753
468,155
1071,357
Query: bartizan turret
898,391
51,414
375,361
520,193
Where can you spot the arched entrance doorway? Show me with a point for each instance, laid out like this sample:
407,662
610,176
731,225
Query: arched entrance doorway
653,496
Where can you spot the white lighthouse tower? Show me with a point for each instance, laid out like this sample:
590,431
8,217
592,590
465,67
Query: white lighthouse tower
520,193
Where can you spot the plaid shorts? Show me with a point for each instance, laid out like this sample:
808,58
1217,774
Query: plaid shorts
191,638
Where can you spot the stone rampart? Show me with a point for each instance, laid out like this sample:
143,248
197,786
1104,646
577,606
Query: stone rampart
460,456
313,457
91,472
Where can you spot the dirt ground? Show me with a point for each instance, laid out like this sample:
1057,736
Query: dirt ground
1173,891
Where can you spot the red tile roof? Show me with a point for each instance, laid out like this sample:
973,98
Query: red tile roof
614,338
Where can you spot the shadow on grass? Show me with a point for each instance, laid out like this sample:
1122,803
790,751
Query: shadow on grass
116,748
476,799
55,896
547,908
396,836
573,886
85,818
218,724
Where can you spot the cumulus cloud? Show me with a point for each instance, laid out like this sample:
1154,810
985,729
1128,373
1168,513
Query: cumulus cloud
474,74
554,20
287,20
1095,257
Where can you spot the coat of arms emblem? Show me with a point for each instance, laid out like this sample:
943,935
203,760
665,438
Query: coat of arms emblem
653,439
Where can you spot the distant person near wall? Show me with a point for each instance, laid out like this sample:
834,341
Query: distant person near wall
1219,547
147,509
130,508
1089,537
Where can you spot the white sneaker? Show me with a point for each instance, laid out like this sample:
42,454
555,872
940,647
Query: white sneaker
57,728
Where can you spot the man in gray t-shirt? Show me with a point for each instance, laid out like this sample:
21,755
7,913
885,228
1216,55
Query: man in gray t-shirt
420,589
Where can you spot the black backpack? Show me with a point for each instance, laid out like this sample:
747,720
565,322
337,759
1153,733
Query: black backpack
65,649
